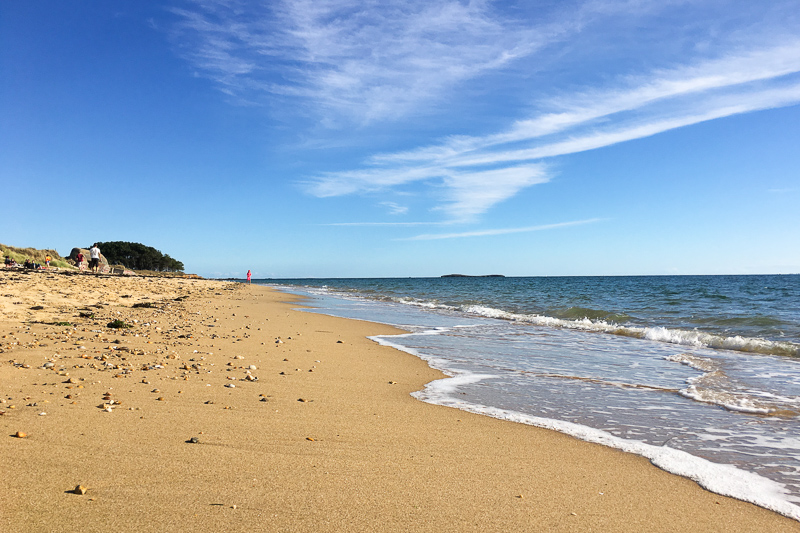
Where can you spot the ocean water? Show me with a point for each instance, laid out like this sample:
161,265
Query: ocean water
701,374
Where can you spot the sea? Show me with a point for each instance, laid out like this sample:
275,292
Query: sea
700,374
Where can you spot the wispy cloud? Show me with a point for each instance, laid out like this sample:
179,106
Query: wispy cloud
364,62
378,224
503,231
395,208
630,109
349,59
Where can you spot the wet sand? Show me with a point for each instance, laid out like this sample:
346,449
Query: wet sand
322,435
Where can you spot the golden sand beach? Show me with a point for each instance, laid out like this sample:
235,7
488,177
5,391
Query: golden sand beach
223,408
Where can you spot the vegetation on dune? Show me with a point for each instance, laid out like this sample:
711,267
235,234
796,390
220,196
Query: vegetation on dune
144,260
37,256
137,256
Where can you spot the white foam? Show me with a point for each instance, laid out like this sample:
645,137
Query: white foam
658,333
714,387
723,479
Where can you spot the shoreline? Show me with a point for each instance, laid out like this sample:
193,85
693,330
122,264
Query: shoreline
326,436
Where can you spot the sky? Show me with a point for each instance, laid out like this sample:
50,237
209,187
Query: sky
383,138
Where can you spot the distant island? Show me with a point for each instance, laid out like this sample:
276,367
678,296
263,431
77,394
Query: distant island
466,276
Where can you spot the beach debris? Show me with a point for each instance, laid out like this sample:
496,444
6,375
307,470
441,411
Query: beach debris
339,342
392,383
49,365
312,439
230,385
302,400
253,367
193,440
250,377
238,357
21,435
79,489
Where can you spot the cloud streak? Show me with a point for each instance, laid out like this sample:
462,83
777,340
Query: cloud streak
350,60
370,62
503,231
480,172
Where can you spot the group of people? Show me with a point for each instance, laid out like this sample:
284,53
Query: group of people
8,262
94,259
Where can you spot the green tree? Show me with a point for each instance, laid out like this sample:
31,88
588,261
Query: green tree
138,256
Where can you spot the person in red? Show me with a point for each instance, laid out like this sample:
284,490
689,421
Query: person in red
248,276
79,260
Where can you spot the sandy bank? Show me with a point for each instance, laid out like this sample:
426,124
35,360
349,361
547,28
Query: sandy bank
322,435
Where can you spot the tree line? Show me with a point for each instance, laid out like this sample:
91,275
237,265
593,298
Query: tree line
137,256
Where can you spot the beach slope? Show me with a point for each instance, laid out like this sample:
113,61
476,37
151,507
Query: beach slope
225,409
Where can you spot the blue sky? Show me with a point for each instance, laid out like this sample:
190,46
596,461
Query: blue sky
407,138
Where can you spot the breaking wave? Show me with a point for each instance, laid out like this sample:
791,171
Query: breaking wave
682,337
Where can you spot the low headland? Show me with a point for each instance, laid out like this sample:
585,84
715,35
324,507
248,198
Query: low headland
143,404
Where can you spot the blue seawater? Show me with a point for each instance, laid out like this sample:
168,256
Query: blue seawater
701,374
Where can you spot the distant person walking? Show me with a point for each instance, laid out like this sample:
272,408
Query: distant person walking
248,276
79,259
94,264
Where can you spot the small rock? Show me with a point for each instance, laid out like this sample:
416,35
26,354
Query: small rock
21,435
79,489
231,386
312,439
253,367
193,440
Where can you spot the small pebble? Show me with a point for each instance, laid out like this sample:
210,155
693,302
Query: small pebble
21,435
193,440
79,489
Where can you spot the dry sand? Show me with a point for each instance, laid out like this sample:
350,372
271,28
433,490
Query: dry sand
324,438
